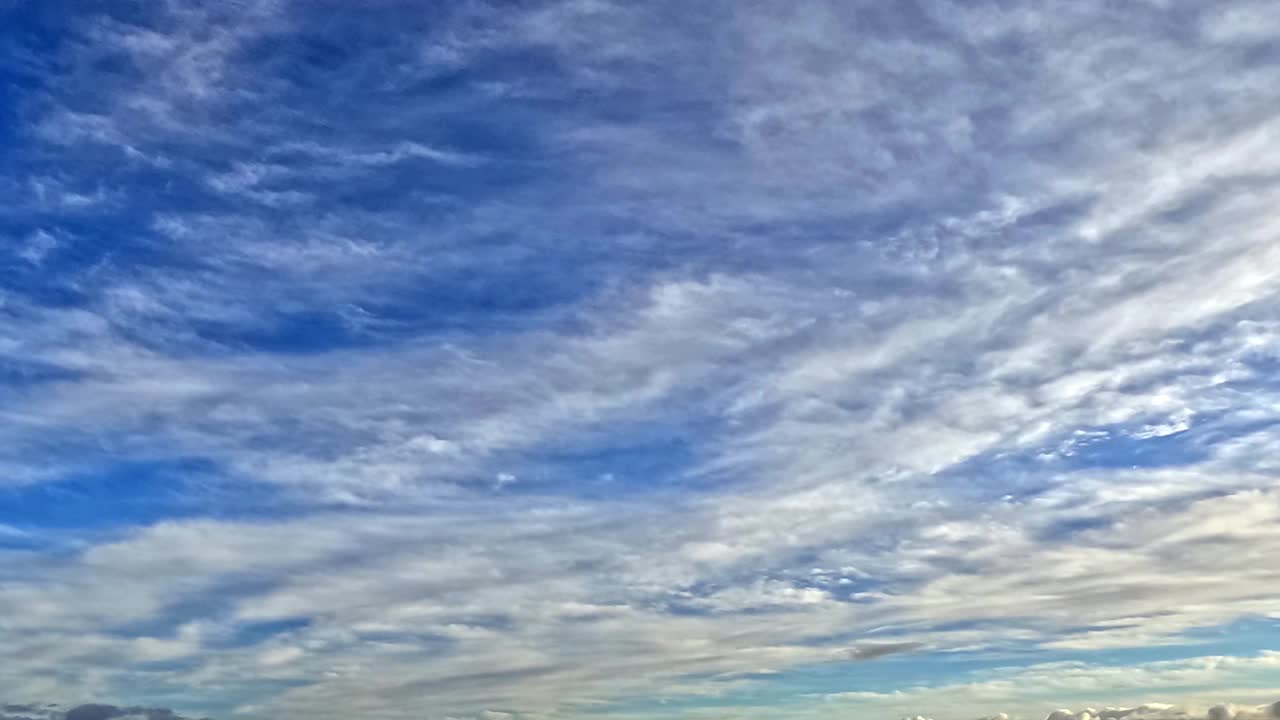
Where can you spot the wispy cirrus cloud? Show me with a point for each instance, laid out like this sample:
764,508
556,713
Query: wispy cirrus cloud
546,360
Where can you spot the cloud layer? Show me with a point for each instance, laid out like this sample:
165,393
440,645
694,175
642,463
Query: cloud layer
613,360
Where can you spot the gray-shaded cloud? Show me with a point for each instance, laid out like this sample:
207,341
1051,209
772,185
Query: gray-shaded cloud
87,711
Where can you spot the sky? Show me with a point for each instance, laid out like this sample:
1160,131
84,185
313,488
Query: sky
613,360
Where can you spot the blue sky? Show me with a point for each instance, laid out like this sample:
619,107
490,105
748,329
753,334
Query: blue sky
619,361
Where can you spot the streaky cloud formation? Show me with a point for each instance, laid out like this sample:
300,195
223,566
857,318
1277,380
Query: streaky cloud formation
603,360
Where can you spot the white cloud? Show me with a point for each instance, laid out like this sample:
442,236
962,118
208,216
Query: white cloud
1197,684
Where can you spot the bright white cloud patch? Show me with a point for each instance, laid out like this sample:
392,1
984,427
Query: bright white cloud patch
590,359
1154,711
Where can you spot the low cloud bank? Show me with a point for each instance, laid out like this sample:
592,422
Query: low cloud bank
89,711
1155,711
